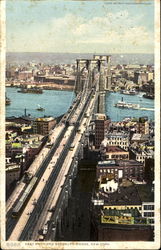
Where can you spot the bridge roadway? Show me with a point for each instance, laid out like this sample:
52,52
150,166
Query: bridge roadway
52,171
39,165
35,166
51,203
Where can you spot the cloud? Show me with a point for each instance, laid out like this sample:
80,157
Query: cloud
118,32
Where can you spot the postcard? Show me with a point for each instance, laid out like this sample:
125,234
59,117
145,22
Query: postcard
80,127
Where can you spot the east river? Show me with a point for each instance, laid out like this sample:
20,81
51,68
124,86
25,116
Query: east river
57,103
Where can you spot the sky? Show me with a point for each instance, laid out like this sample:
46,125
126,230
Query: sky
80,26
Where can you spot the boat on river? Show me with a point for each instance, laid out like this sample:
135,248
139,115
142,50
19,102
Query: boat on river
32,90
129,92
39,108
122,104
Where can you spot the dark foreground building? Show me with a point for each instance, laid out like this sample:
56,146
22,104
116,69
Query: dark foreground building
121,215
114,232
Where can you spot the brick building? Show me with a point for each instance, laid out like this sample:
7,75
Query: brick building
120,169
143,126
13,171
43,125
100,128
124,215
114,152
31,151
24,75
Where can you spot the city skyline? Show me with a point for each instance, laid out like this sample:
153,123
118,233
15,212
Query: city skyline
88,27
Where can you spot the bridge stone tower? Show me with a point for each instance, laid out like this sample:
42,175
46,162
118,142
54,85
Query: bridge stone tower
105,75
86,69
82,69
96,73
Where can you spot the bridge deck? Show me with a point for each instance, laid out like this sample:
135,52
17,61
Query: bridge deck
48,189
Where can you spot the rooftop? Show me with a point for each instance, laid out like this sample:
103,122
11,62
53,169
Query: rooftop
45,119
113,135
106,163
121,163
123,196
12,167
100,116
16,145
138,137
25,118
128,162
114,149
122,212
145,192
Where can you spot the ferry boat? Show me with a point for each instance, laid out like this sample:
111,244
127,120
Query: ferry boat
33,90
122,104
129,92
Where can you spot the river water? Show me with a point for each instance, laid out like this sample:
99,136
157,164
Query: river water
57,103
117,114
54,102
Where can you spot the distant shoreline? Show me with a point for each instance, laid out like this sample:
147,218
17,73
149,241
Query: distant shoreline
45,86
70,58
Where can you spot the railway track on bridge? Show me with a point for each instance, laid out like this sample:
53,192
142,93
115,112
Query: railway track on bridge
57,188
51,172
71,119
39,165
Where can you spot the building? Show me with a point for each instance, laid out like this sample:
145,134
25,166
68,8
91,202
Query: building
146,194
142,154
13,171
24,75
117,139
31,151
43,125
100,129
150,76
143,126
113,152
137,139
120,169
120,216
60,79
108,185
26,119
140,77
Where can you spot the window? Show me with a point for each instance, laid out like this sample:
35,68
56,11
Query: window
151,221
148,207
148,214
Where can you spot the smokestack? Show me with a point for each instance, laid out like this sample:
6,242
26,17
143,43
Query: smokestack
25,111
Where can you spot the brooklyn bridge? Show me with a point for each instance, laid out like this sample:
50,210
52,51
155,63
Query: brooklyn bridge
36,208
